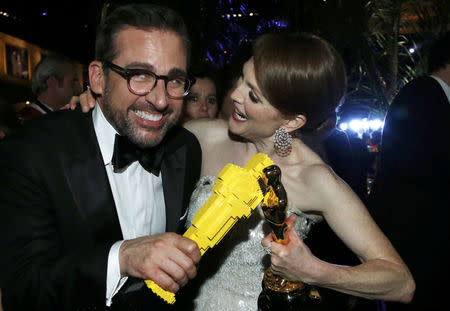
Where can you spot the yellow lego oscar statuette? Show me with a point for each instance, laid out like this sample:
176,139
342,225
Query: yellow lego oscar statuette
237,192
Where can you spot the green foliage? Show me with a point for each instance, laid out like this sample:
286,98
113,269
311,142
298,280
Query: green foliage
394,47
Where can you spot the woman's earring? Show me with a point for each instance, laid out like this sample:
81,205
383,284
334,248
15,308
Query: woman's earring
282,142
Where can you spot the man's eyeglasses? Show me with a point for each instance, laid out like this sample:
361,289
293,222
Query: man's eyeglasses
142,81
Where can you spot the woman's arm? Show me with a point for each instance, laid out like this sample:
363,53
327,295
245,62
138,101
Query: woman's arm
382,273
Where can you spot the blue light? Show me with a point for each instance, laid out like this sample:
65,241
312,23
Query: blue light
209,56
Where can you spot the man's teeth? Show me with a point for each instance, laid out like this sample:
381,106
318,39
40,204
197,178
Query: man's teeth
239,115
148,116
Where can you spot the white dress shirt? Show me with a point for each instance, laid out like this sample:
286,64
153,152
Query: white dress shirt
138,196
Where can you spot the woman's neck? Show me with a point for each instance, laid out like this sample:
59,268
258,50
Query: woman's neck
294,158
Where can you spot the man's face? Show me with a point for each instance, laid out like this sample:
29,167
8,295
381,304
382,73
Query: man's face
68,86
144,119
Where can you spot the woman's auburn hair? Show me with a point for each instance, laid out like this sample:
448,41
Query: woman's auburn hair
300,74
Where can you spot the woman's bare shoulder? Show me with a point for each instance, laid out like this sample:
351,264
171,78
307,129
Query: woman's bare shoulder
208,129
319,173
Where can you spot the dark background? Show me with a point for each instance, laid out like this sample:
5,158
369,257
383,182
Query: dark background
68,27
373,36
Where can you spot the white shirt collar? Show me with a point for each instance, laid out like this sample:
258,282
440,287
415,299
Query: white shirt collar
106,134
37,107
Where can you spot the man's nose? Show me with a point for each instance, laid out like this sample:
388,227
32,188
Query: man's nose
158,96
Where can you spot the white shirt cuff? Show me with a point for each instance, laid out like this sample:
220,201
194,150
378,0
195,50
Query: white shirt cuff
114,281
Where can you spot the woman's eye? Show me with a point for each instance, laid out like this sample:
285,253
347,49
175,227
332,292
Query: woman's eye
191,98
211,100
253,97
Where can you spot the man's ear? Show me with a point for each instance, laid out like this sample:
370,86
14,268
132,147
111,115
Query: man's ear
96,77
295,123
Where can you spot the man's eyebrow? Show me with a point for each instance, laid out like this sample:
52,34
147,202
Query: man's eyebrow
140,65
177,72
147,66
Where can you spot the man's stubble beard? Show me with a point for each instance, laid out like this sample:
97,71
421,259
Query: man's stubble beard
126,128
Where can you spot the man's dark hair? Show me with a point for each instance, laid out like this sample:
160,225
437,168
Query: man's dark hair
141,16
439,55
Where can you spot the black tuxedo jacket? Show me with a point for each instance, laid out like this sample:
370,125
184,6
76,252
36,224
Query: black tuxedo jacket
410,200
58,219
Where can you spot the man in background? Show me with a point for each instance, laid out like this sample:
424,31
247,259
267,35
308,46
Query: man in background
54,83
411,196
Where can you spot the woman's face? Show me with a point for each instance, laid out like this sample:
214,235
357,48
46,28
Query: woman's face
202,100
253,116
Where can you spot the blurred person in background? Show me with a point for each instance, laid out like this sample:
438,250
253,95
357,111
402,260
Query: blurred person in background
54,83
201,102
410,198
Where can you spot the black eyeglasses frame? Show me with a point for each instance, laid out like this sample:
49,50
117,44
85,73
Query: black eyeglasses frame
128,73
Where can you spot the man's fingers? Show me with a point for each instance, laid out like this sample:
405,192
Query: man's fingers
165,281
176,272
186,263
168,259
190,248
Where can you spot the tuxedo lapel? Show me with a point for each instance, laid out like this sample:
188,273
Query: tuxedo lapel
88,181
173,178
180,171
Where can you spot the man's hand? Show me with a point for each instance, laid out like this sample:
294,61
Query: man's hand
168,259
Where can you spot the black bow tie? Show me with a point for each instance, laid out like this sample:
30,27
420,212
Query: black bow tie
125,153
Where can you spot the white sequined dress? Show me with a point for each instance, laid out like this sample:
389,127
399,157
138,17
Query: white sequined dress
230,274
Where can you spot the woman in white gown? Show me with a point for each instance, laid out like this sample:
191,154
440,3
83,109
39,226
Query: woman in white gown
291,84
231,273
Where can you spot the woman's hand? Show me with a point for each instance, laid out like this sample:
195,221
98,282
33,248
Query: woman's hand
86,100
293,260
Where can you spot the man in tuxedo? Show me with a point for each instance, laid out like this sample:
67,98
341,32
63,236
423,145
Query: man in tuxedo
54,83
90,203
410,200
